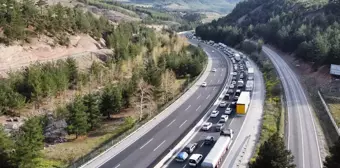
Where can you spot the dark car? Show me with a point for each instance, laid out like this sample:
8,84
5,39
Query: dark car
219,126
227,96
209,140
190,147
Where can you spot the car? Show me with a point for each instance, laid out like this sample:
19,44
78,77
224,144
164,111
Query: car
236,98
195,159
230,91
234,78
219,126
241,76
214,114
209,140
232,86
223,118
190,147
228,111
182,156
227,96
233,104
206,126
233,82
223,104
213,70
204,84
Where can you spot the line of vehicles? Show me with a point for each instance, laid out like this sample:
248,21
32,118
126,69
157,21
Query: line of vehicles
238,95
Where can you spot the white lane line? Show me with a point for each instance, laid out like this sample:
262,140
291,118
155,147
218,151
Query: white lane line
214,74
187,107
201,144
222,69
198,96
232,120
208,96
211,81
221,74
159,146
218,81
198,107
117,166
184,166
183,123
171,122
214,88
146,143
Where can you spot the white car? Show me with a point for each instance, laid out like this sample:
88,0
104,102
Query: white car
224,118
232,86
214,114
223,104
213,70
204,84
206,126
228,111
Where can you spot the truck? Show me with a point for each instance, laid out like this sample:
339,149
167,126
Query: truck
243,103
222,145
249,85
237,57
222,45
247,64
250,73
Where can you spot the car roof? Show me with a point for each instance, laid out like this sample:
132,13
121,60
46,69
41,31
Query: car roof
195,156
182,155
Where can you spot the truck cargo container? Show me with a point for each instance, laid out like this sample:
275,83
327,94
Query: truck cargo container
249,85
215,157
243,103
250,73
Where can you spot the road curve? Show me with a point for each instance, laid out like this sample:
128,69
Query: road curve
151,145
301,132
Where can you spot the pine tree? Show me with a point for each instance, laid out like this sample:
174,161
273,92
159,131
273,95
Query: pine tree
273,154
91,101
6,150
29,143
332,160
77,120
72,70
111,101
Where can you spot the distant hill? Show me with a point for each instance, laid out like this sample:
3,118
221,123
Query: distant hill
221,6
309,29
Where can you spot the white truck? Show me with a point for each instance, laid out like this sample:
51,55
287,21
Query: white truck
249,85
237,57
222,145
250,73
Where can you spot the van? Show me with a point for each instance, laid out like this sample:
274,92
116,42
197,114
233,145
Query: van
195,159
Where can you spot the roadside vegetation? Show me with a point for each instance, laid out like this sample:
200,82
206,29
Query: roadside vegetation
310,30
332,160
112,97
273,117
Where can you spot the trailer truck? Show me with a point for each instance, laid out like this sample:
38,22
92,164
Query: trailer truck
243,103
222,145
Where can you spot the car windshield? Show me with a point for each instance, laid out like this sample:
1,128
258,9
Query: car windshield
192,161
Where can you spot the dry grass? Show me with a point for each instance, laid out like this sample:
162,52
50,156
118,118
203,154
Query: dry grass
334,106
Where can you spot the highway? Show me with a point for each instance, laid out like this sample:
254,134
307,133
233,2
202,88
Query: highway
236,123
155,142
301,132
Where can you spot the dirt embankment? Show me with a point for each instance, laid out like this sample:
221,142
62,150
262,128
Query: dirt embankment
40,50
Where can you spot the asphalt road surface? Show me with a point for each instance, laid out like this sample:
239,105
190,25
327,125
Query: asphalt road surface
146,150
301,133
234,120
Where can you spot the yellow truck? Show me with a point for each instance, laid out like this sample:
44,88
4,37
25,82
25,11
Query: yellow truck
243,103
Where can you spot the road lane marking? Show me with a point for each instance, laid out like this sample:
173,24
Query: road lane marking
208,96
198,107
183,123
221,74
214,74
184,166
214,88
198,96
201,144
218,81
159,146
146,143
117,166
187,107
171,122
211,81
222,69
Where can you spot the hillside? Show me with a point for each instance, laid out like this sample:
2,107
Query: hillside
309,29
221,6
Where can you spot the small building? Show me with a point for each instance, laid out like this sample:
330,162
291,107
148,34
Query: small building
335,70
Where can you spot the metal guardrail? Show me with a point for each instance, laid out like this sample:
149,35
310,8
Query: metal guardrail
329,112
